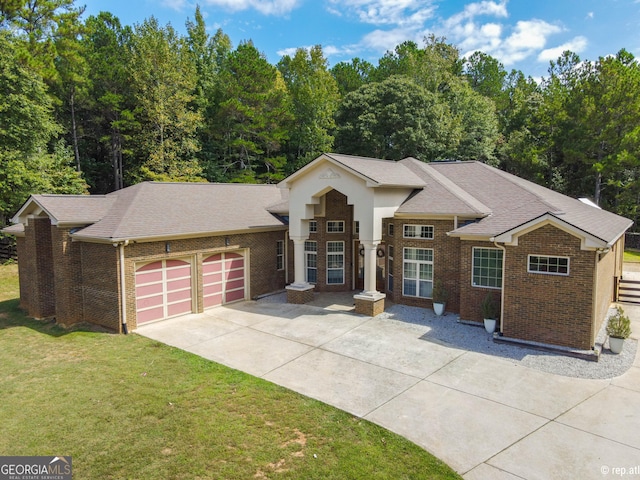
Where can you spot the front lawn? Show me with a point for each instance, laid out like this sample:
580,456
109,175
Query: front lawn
632,256
129,407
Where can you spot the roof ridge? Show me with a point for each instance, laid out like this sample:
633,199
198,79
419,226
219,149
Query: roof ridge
451,186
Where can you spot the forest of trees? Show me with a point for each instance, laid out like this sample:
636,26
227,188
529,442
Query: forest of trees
91,105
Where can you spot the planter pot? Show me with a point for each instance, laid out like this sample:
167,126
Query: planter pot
438,308
616,344
490,325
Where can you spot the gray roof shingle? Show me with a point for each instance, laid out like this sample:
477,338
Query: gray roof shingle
152,210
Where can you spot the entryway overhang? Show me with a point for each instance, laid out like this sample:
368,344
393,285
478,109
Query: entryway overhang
375,188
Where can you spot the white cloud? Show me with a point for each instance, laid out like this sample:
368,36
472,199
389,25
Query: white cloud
473,10
576,45
590,15
405,13
383,40
266,7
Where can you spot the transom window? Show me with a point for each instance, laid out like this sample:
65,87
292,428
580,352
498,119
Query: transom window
417,277
311,261
335,263
335,226
418,231
487,267
313,226
280,255
549,265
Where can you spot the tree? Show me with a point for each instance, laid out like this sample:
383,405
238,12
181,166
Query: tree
164,79
107,47
485,75
315,97
394,119
252,119
26,128
352,75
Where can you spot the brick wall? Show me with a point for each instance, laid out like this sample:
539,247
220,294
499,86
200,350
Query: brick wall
67,269
101,285
37,285
336,209
546,308
471,296
446,259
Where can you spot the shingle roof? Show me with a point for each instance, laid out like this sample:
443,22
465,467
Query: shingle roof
153,210
377,173
514,201
68,209
440,195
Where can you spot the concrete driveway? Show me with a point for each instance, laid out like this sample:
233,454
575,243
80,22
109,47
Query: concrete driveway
487,417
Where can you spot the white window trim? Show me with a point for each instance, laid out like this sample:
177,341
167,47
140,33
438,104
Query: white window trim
419,229
340,224
306,264
549,273
473,256
313,226
280,255
390,229
417,262
343,262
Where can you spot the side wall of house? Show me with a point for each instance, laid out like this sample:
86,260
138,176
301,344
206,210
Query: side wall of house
262,273
607,279
100,285
35,259
471,296
67,269
446,259
553,309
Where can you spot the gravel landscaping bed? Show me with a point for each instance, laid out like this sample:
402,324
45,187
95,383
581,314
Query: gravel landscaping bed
447,330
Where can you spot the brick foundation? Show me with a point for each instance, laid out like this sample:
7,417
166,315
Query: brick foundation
300,296
370,306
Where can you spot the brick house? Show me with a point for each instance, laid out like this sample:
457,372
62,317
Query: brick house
385,230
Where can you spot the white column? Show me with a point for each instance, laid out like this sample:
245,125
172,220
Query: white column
370,267
298,262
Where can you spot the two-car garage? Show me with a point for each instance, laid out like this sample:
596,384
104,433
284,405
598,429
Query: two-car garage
167,288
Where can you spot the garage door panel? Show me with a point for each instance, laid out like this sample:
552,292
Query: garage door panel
146,290
163,289
234,295
223,279
213,300
150,315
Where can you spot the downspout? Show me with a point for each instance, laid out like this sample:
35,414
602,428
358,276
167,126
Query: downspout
504,263
123,285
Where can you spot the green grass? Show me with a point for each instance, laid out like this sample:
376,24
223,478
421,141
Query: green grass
632,256
129,407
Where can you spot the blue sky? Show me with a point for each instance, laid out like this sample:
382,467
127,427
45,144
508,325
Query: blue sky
522,34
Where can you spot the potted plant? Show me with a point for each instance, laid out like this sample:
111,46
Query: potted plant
439,297
618,328
490,312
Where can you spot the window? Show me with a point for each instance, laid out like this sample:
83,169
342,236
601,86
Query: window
313,226
418,231
356,227
280,255
390,229
335,263
335,226
311,261
549,265
417,276
487,267
390,271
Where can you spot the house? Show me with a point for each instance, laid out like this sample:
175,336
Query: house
383,229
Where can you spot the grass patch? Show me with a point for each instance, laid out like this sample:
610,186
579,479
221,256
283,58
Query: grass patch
130,407
632,256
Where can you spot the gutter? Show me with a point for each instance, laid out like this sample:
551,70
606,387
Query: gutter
123,285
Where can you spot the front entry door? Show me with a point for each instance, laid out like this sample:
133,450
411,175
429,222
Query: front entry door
358,271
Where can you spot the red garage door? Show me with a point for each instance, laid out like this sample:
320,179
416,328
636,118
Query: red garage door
163,289
223,279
